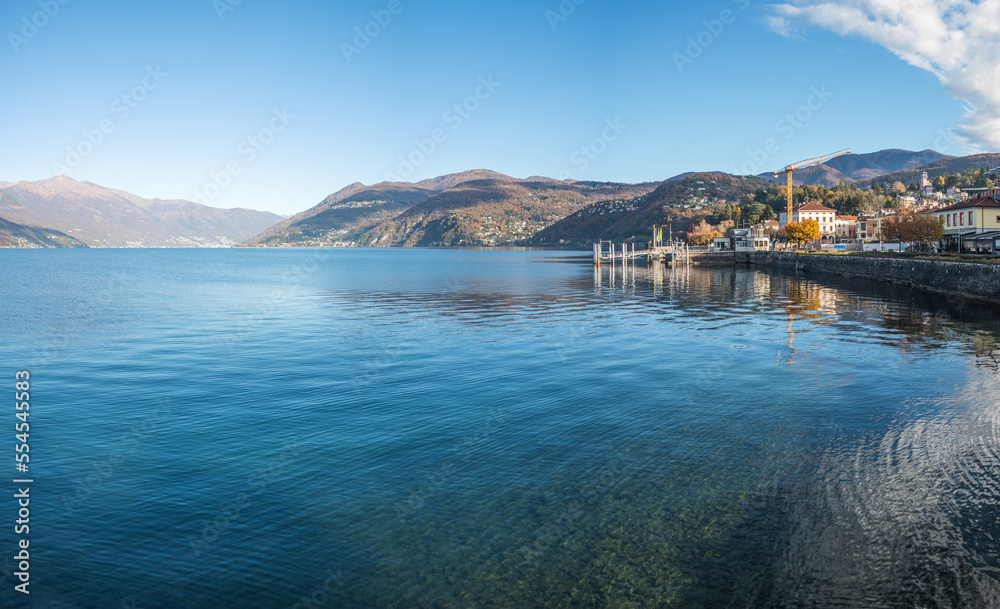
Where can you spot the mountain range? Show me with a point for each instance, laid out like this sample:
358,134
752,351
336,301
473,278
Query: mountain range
673,202
478,207
103,217
949,165
853,168
493,212
358,207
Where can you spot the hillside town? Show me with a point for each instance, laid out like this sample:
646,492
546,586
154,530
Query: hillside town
970,223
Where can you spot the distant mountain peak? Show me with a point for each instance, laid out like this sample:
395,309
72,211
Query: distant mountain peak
366,214
454,179
104,217
858,167
335,211
58,185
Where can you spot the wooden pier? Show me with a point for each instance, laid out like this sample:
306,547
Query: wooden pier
607,252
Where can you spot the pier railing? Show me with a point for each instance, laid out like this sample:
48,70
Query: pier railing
607,252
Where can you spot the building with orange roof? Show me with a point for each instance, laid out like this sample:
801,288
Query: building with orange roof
972,221
823,215
846,228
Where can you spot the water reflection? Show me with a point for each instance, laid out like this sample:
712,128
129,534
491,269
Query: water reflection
651,452
915,322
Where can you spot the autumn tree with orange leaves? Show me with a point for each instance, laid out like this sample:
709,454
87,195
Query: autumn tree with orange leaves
909,226
802,232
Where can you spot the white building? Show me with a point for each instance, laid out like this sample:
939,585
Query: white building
846,228
823,215
721,244
751,239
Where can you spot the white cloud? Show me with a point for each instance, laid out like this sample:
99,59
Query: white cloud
780,25
956,40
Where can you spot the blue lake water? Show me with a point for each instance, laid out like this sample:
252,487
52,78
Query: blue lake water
462,428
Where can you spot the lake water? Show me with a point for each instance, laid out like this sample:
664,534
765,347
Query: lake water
446,428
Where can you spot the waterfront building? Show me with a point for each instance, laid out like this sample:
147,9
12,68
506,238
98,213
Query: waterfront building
751,239
846,228
869,224
973,224
823,215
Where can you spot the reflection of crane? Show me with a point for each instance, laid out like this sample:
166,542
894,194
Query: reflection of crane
802,165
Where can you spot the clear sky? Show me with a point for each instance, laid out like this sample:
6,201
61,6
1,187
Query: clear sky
274,105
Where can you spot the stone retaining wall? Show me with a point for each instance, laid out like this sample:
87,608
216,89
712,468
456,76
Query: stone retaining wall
717,257
979,281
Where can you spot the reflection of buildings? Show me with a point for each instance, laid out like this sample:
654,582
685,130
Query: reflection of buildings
857,310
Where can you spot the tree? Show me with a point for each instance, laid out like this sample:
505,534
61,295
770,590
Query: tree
981,180
930,228
939,183
703,233
909,226
802,232
753,213
896,228
898,187
851,204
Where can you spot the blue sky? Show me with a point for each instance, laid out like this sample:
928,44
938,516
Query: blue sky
259,104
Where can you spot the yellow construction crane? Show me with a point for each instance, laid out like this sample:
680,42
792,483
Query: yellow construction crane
802,165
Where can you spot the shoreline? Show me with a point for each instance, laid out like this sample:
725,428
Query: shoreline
965,279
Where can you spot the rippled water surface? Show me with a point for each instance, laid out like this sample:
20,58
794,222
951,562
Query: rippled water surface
398,428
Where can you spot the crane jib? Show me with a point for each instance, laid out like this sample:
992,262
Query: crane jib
802,165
